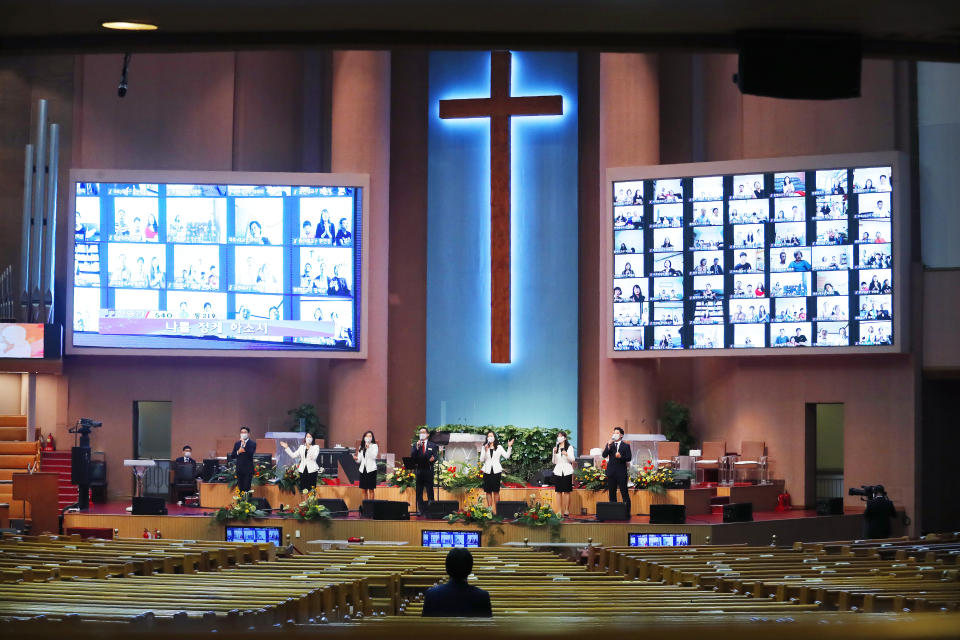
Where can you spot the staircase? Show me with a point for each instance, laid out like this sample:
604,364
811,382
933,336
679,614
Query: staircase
59,462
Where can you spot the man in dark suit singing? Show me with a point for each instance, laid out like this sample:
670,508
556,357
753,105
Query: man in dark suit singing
424,454
618,456
457,598
243,450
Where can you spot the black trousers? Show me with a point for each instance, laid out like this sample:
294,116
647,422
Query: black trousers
243,480
424,482
307,481
618,481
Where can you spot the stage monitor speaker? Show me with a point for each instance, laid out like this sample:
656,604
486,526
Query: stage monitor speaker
829,506
439,509
738,512
798,65
390,510
149,507
612,511
668,514
261,504
336,507
508,509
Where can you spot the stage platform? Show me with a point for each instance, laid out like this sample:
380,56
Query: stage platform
582,501
194,523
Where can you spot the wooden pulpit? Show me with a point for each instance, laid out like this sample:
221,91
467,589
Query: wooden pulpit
40,490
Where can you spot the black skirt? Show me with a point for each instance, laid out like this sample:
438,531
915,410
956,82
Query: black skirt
368,480
563,484
491,483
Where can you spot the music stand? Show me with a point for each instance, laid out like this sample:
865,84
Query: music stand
408,462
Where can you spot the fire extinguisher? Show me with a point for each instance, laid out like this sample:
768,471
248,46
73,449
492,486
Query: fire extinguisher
49,446
783,502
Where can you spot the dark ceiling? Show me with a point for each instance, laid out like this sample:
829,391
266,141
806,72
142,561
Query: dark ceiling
927,29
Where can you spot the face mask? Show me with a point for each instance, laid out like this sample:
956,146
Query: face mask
309,439
244,435
186,454
423,436
367,439
616,436
490,439
559,440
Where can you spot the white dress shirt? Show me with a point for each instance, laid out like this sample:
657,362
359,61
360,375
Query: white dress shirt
563,461
490,458
368,458
308,457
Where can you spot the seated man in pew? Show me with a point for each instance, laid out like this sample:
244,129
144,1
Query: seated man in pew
457,598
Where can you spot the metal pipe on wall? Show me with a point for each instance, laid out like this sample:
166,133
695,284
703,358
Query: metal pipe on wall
36,232
24,310
50,228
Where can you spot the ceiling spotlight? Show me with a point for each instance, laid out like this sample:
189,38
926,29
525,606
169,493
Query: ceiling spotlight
123,25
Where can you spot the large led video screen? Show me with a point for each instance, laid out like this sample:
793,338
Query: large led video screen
216,263
791,255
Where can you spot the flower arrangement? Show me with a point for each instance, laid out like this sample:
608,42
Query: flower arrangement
467,477
531,449
262,473
654,478
538,514
310,508
402,477
476,513
590,477
290,479
241,508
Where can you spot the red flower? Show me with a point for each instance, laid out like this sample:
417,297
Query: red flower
603,464
536,517
452,469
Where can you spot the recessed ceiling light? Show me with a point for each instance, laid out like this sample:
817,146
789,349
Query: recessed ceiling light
123,25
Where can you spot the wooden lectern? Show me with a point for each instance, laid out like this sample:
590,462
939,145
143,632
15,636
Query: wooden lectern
40,490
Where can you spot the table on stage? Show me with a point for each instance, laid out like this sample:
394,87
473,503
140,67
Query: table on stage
139,470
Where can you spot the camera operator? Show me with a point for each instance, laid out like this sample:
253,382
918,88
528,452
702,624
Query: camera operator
879,511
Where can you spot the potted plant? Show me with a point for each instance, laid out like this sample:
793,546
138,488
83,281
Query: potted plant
305,418
675,425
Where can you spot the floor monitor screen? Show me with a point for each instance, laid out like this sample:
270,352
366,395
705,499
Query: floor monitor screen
441,538
797,257
223,264
254,534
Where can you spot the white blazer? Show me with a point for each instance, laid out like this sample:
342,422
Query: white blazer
490,459
563,462
368,458
308,457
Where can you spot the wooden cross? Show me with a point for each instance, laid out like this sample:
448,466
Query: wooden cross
499,107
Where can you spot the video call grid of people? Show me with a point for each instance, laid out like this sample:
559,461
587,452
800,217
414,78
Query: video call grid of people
778,259
218,252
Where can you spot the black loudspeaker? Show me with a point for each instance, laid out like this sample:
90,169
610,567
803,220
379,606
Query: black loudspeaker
390,510
738,512
80,466
806,66
612,511
829,506
336,507
509,508
439,509
668,514
149,507
260,503
366,508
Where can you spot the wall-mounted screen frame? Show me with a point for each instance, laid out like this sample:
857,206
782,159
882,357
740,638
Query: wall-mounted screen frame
685,235
200,236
